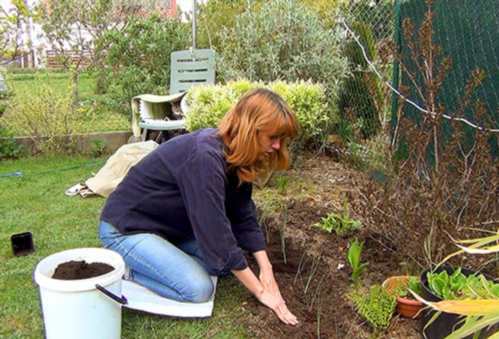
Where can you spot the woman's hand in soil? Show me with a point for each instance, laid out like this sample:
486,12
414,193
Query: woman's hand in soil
277,304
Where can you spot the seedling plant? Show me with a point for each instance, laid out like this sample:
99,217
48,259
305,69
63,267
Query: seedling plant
341,223
354,259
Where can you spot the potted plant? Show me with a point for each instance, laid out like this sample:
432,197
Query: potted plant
478,314
450,284
400,286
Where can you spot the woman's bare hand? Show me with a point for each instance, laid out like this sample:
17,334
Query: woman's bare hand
276,303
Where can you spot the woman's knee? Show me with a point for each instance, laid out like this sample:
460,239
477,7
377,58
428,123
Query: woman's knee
200,290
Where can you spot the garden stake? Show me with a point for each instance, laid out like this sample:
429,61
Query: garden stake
317,292
281,232
312,273
319,321
298,271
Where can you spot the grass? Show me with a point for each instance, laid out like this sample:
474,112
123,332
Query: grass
94,116
36,202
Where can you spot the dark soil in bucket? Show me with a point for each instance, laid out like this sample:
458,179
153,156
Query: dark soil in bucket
75,270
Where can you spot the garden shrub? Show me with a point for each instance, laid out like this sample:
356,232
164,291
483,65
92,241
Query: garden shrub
285,40
9,149
46,117
361,94
208,105
444,185
215,16
137,58
376,306
3,107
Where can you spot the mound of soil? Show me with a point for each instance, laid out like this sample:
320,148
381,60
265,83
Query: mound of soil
75,270
310,265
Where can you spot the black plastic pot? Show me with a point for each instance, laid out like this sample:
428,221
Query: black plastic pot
446,323
22,243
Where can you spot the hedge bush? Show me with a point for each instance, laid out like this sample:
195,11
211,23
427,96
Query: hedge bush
9,149
46,114
208,104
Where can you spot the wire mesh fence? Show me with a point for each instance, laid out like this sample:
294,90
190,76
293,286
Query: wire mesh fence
364,103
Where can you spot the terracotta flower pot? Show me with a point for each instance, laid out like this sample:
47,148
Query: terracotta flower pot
408,308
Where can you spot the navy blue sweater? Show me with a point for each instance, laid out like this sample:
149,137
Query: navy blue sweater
184,189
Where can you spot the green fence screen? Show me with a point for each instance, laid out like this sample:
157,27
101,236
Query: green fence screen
468,32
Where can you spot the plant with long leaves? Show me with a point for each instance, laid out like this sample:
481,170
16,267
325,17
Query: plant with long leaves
354,259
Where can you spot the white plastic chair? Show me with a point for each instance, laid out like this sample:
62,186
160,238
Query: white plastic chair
155,112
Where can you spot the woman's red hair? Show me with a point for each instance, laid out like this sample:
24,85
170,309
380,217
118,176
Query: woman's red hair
258,111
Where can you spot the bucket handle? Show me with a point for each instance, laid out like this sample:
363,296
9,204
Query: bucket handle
122,300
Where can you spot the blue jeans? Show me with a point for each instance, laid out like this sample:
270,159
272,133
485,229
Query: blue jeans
172,271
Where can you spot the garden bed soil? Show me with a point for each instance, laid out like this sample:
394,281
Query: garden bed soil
314,277
74,270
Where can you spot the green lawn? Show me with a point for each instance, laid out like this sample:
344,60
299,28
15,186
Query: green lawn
93,115
36,202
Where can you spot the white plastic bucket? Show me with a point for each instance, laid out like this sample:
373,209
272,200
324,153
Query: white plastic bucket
77,308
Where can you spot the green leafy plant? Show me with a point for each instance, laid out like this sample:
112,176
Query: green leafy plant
9,149
97,147
137,58
376,306
282,39
354,259
413,284
341,223
3,107
481,311
47,117
282,183
458,286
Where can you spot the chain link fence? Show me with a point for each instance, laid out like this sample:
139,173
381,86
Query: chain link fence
364,103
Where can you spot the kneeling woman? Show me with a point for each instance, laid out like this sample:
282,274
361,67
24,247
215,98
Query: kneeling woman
185,212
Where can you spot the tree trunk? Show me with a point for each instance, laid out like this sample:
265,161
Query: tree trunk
75,77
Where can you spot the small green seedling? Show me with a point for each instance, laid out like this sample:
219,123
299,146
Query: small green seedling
354,259
341,223
282,183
